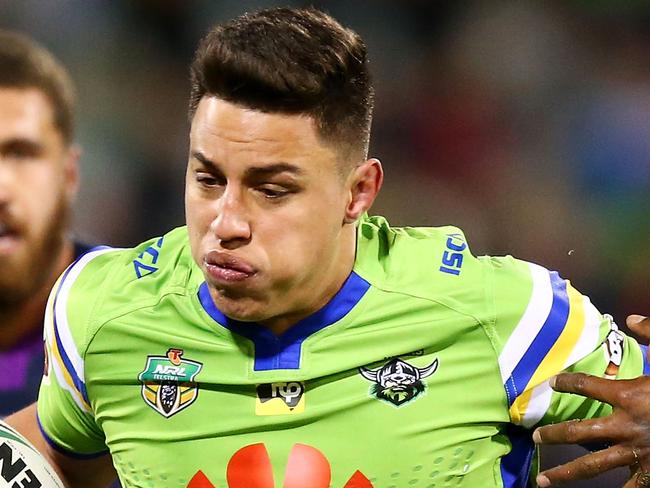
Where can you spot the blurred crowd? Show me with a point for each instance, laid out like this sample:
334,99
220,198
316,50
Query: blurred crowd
527,124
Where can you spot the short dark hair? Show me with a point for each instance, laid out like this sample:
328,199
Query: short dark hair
25,64
288,60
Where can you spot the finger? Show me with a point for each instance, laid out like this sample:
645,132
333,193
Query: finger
586,385
605,429
640,325
587,466
631,482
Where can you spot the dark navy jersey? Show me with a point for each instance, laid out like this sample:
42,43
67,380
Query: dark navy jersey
23,365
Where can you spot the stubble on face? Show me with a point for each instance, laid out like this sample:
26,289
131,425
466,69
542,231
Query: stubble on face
26,273
35,192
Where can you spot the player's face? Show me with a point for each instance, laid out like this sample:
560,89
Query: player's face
38,179
270,214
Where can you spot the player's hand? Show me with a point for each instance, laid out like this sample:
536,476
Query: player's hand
640,325
626,430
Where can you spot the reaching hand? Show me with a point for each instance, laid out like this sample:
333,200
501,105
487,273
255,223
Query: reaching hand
626,430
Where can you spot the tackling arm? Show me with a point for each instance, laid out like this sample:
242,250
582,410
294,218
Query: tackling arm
626,430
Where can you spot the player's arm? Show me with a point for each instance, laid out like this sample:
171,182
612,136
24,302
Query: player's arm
75,472
546,327
65,414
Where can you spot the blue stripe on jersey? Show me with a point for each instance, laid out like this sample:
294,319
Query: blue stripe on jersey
516,465
543,342
79,385
646,364
283,351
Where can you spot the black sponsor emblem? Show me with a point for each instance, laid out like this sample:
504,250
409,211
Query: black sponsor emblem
398,382
282,398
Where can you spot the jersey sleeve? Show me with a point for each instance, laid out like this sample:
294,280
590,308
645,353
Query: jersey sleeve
544,326
65,412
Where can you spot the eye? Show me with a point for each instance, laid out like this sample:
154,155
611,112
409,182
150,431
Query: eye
207,180
273,192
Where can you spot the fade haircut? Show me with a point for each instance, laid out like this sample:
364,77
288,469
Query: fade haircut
25,64
293,61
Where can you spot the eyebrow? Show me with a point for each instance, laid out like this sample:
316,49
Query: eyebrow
22,143
255,171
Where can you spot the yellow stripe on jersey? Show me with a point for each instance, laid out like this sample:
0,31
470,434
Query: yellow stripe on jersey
556,359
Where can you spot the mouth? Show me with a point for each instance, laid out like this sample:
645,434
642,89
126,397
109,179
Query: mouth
9,239
227,269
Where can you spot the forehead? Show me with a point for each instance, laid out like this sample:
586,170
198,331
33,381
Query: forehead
228,133
25,112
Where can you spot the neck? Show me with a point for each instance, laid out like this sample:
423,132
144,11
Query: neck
23,319
334,278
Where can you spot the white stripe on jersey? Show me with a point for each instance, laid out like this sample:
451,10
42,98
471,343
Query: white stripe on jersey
539,306
60,310
589,339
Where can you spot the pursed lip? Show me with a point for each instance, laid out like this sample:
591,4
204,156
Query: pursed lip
226,268
9,239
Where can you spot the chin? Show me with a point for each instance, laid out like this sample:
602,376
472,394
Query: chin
240,308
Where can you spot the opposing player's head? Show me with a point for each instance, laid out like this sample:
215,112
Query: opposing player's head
38,164
281,105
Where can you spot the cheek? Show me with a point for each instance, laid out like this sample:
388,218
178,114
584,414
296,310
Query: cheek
39,192
198,223
299,245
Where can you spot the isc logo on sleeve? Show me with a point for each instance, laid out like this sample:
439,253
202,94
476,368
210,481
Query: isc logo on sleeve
283,398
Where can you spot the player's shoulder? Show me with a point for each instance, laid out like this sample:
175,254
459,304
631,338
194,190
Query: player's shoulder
106,280
423,261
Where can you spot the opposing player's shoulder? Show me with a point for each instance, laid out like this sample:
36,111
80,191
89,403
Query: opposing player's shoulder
424,261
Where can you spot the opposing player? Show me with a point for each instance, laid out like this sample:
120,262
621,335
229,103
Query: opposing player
285,338
38,181
624,435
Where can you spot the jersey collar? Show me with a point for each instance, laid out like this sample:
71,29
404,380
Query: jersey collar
284,351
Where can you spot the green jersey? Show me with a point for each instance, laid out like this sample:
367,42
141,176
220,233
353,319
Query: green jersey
428,368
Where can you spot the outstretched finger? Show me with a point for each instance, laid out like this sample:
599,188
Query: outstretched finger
605,429
587,466
590,386
640,326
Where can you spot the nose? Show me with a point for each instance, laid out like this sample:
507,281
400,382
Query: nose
232,225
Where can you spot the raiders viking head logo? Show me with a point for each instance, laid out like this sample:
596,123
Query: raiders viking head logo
398,382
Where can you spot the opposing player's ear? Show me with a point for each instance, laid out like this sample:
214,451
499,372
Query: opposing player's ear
71,169
365,182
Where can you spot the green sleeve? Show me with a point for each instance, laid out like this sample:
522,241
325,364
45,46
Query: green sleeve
65,412
544,326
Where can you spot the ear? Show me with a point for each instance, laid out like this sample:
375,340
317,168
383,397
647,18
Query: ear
71,171
365,182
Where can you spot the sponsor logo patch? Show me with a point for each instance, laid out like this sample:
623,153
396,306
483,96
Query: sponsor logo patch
252,466
168,384
398,382
613,348
282,398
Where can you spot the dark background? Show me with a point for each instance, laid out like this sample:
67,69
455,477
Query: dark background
527,124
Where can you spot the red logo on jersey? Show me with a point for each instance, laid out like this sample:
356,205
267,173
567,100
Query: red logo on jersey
251,467
174,355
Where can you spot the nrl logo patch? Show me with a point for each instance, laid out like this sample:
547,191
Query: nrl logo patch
398,382
168,382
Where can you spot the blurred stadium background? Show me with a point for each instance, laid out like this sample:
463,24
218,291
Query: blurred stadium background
527,124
